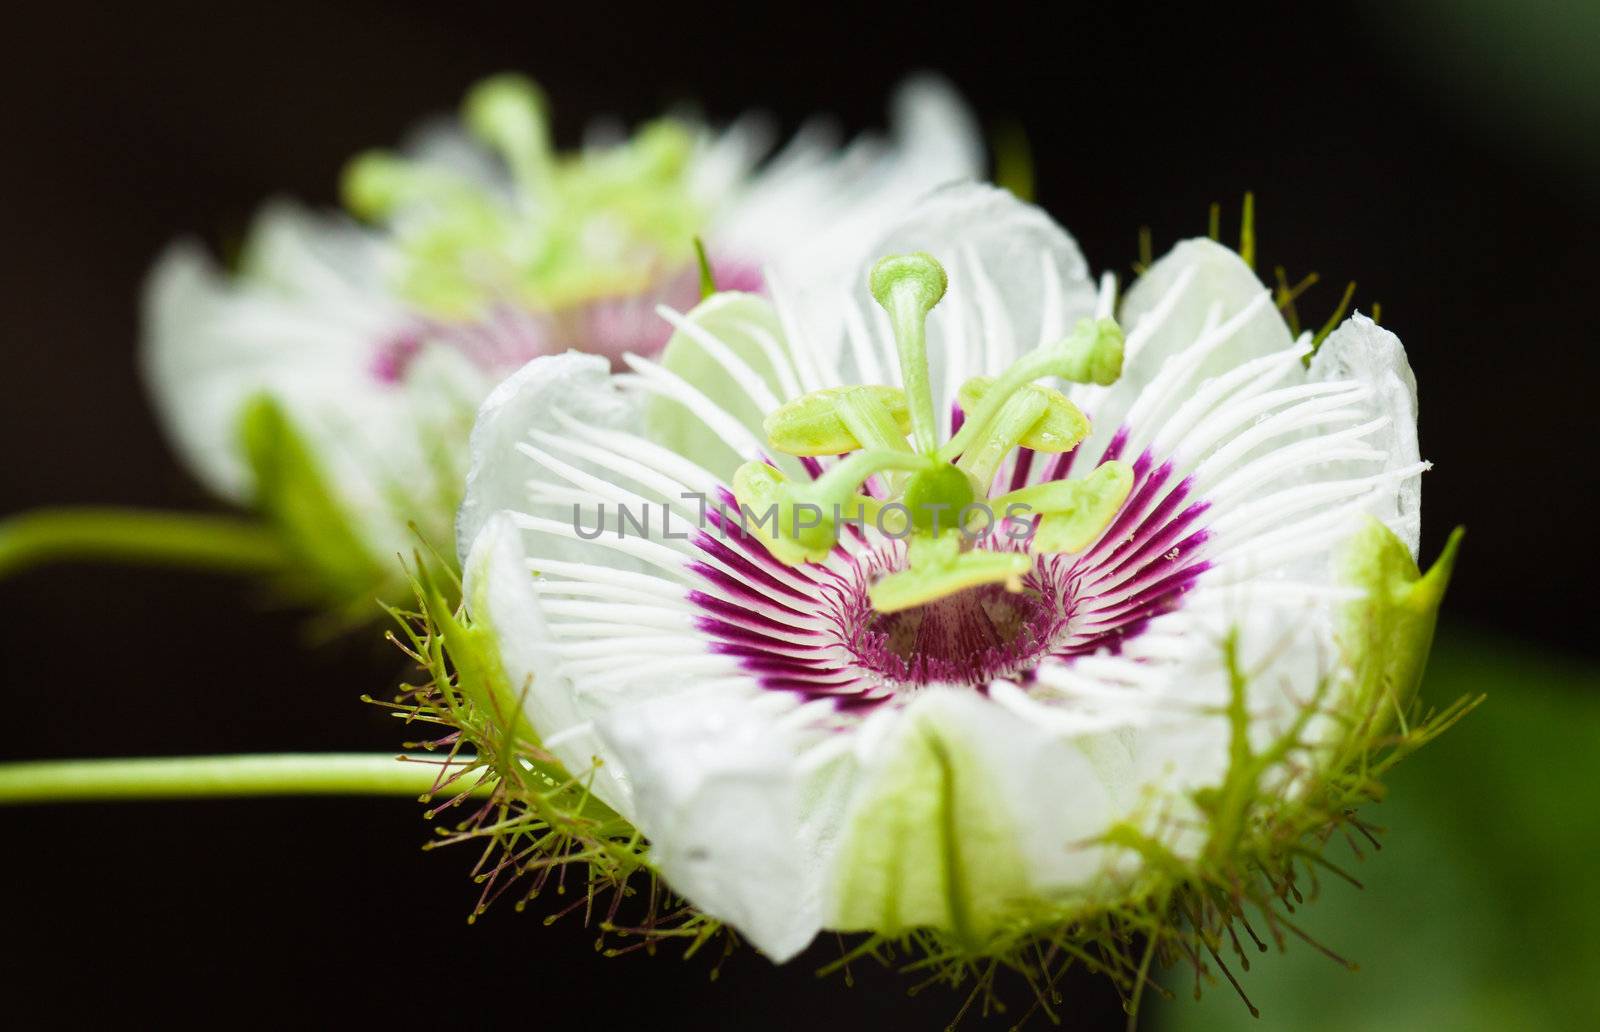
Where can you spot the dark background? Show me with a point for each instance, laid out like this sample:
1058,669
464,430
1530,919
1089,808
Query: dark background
1379,147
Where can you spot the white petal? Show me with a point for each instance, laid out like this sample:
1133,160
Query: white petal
1362,351
1196,288
200,414
721,799
535,397
733,351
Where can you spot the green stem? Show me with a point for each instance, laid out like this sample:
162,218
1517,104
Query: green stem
198,540
214,777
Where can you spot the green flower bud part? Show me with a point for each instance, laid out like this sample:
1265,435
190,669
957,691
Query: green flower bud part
376,183
1387,634
663,149
799,522
294,495
1093,354
708,280
917,280
936,496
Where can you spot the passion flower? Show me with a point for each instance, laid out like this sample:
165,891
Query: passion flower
1011,621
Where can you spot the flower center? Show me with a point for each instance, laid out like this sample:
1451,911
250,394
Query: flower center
815,630
970,637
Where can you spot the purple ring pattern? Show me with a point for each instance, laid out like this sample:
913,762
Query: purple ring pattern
810,630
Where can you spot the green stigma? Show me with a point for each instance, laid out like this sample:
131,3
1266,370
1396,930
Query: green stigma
919,277
935,496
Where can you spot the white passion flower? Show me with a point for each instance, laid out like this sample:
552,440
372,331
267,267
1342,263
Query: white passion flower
1120,721
329,380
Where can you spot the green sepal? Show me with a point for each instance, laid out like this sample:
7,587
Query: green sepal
939,568
333,561
1061,427
813,425
1386,636
539,806
480,677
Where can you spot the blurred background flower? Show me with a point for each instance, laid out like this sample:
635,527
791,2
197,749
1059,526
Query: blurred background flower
1441,156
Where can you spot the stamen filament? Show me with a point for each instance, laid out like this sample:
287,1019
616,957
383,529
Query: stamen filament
224,543
841,482
1021,411
211,777
1091,354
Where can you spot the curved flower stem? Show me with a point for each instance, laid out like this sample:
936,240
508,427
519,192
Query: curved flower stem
213,777
198,540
